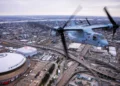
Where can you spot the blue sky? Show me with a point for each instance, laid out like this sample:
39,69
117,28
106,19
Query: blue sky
58,7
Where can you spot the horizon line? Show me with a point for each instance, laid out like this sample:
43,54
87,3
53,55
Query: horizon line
62,15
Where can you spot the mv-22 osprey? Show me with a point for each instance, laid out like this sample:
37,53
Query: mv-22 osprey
85,34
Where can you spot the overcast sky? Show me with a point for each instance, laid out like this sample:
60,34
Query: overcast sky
58,7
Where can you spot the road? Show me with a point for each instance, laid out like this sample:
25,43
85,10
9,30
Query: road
67,75
78,59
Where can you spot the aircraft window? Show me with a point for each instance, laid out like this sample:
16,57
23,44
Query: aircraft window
94,38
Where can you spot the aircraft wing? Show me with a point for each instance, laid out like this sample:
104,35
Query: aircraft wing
99,26
88,28
73,28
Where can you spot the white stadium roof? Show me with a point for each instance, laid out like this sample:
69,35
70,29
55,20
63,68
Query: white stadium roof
10,61
27,51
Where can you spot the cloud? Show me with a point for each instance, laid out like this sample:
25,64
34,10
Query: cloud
58,7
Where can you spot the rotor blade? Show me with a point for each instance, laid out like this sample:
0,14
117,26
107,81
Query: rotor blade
78,21
64,44
114,31
115,26
72,16
88,21
72,29
66,29
109,16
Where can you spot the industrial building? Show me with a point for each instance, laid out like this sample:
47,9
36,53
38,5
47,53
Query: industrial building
27,51
74,46
112,51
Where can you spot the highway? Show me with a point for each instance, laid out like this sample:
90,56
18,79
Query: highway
67,75
78,59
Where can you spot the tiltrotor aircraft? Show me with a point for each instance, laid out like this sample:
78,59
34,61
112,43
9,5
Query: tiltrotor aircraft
85,34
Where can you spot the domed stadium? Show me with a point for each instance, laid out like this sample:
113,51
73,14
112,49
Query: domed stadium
12,66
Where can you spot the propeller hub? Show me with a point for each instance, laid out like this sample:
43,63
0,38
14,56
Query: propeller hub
60,30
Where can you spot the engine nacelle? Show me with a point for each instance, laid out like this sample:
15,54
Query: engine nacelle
54,33
110,26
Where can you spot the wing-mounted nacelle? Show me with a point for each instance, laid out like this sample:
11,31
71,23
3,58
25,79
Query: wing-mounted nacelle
54,32
109,27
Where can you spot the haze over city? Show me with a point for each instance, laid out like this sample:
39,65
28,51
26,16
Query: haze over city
58,7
